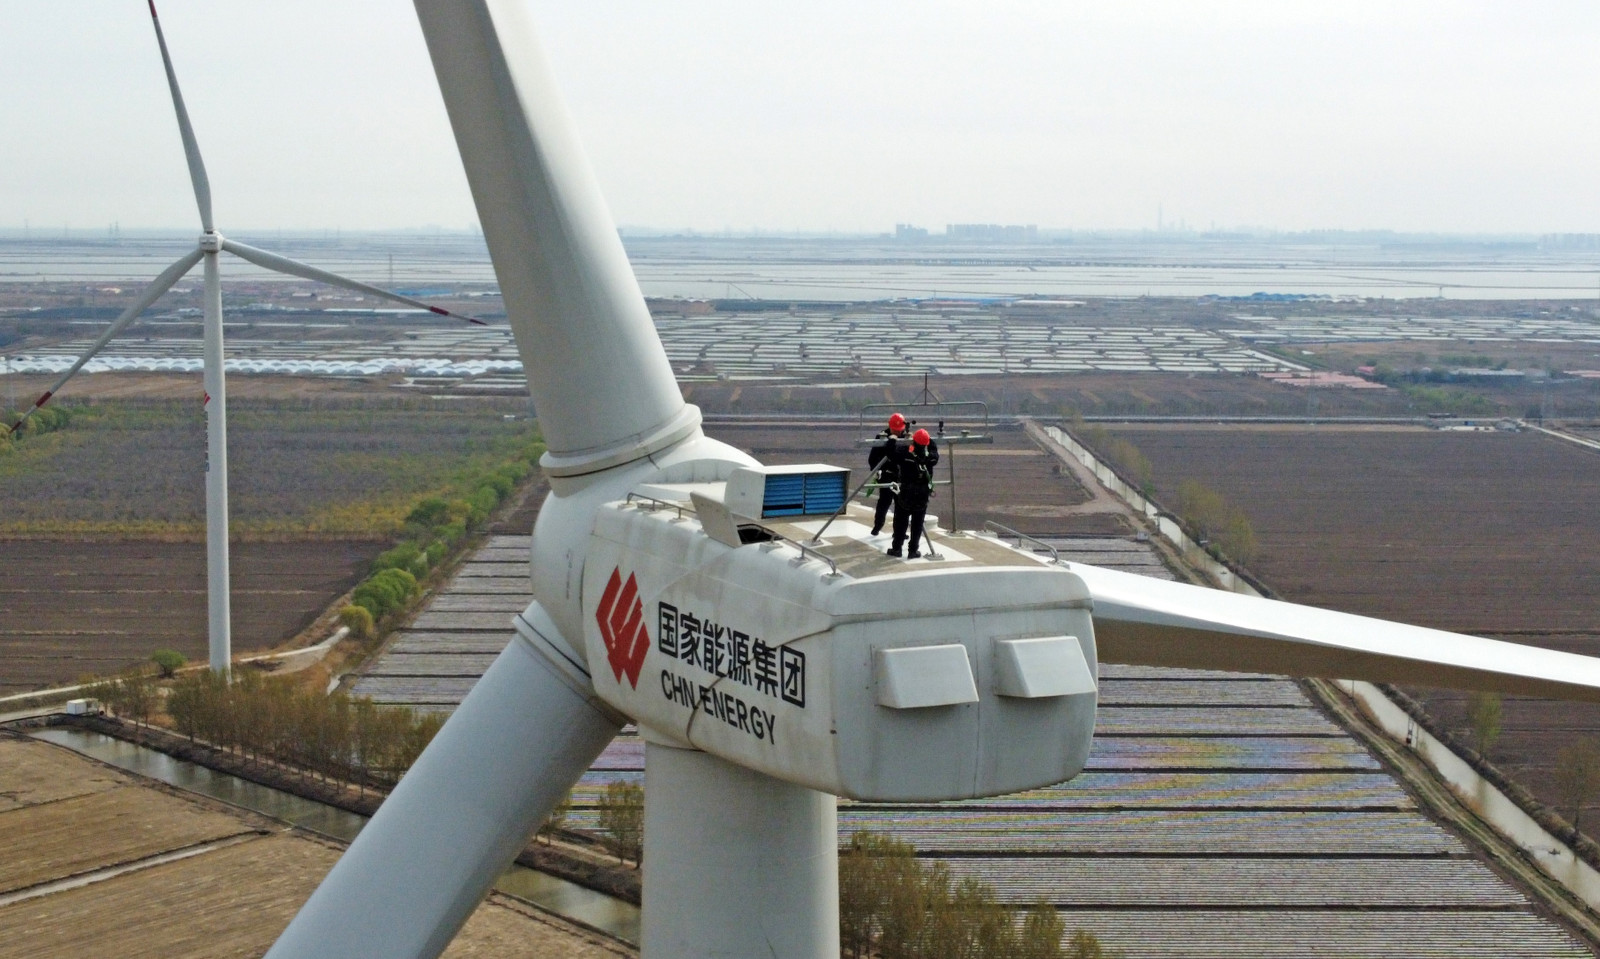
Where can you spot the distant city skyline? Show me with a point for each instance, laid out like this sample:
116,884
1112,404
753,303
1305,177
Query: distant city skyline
711,116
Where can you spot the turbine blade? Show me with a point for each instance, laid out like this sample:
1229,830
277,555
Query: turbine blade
283,264
515,746
599,378
191,148
158,286
1143,621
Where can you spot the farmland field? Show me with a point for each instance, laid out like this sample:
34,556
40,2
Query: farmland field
1484,533
100,543
295,468
70,607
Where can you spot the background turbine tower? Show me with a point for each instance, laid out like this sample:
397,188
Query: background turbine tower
210,245
219,620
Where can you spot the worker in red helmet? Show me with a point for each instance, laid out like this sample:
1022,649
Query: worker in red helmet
917,461
884,458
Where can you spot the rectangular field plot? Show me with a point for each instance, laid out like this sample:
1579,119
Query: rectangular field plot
1212,721
235,901
470,665
445,621
1242,882
32,773
507,555
1210,791
71,607
1216,752
1210,692
428,641
1183,832
415,690
493,585
462,602
1125,671
60,839
1266,934
517,569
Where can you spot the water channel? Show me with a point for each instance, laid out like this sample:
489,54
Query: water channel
618,918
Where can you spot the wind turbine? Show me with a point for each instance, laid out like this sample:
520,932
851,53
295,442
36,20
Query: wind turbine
672,590
210,244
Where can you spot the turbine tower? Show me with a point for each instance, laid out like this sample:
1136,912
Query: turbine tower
209,246
675,588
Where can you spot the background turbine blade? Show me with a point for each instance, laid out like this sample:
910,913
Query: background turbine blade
151,293
191,148
283,264
1143,621
515,746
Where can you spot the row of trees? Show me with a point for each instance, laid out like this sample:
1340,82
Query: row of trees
1217,521
134,696
44,420
334,736
432,529
1200,507
1128,459
894,906
621,809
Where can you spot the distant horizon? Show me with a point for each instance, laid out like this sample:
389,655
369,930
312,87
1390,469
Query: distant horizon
936,233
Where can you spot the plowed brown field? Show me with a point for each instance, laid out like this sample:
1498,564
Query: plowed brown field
73,607
1486,533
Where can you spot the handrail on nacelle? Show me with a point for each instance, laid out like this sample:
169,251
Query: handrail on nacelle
806,552
1055,557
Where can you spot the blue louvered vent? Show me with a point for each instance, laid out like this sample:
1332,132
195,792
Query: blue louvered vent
803,494
825,493
785,495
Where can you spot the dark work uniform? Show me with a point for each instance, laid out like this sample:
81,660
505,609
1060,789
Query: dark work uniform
884,457
916,485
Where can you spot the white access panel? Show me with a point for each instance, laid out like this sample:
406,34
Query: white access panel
922,677
1041,667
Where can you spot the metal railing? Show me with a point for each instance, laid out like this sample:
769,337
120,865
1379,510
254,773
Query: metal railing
1055,557
651,504
655,503
805,551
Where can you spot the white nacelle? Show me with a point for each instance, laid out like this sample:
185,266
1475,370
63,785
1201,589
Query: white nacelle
917,683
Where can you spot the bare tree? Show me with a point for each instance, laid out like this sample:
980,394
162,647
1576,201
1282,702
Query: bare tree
1484,712
557,819
1578,775
622,820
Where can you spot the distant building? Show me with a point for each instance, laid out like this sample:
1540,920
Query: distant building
905,231
991,233
1570,241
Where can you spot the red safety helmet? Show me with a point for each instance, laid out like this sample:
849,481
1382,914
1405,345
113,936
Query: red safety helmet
921,438
897,422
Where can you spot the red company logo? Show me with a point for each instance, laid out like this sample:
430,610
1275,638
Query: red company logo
621,619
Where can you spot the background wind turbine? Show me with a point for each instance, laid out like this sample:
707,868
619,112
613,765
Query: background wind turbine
861,676
210,244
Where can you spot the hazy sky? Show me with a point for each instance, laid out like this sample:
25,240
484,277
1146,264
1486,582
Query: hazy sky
1461,116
